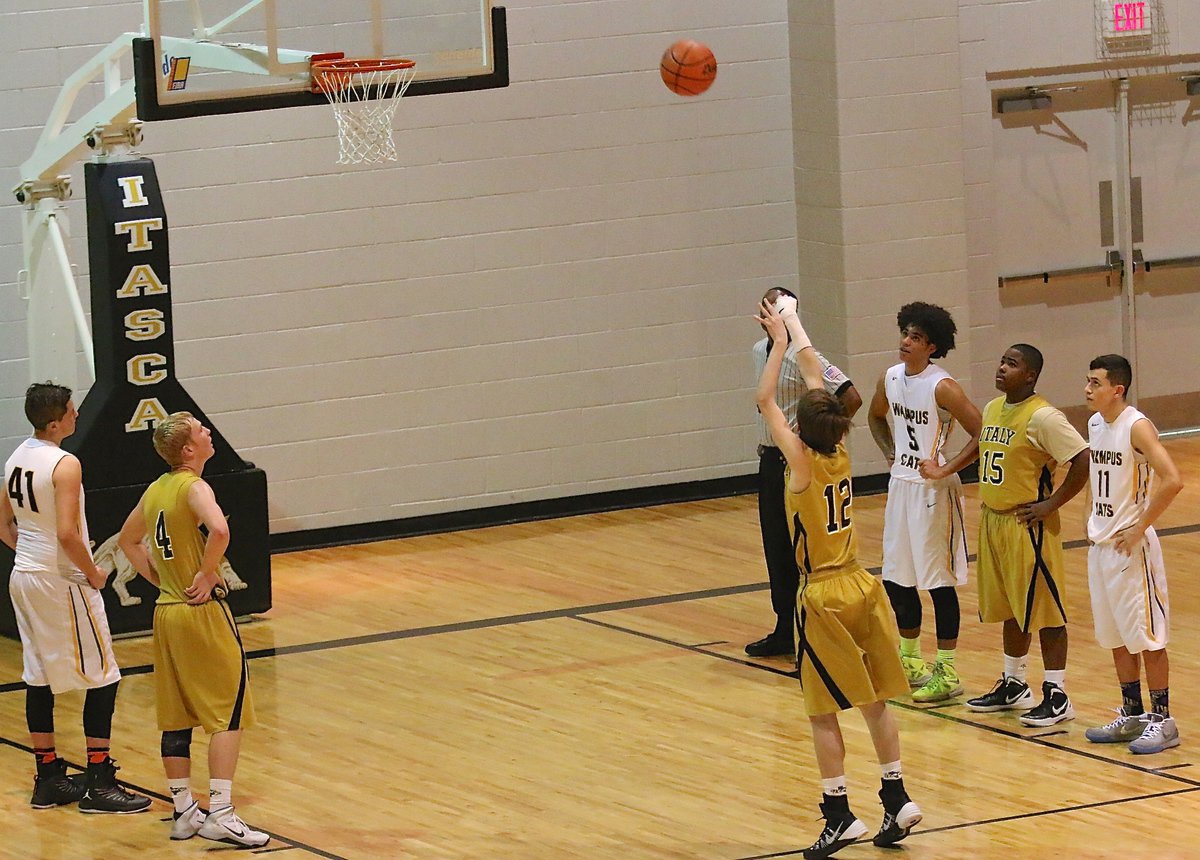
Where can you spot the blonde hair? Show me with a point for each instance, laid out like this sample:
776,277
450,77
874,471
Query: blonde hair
171,434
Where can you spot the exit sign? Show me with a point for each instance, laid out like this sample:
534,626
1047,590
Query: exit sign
1128,23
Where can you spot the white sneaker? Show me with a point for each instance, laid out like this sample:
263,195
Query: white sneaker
225,826
187,824
1160,734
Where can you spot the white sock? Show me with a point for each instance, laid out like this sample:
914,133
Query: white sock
1057,677
891,770
1016,667
834,787
220,794
181,794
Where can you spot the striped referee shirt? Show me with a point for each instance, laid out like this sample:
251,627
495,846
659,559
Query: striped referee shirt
791,383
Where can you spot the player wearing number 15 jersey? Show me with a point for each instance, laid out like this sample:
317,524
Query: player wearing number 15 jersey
1020,570
924,540
200,671
848,641
1133,480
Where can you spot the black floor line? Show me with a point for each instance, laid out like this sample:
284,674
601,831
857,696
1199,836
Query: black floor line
1003,819
292,843
908,706
551,614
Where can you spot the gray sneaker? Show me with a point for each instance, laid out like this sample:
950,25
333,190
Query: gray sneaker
1122,730
1159,734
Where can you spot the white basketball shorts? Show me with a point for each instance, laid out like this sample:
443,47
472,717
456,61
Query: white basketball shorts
65,640
924,539
1129,595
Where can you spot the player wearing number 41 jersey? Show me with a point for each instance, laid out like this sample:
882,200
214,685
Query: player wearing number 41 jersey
200,671
848,642
1133,480
55,588
1020,572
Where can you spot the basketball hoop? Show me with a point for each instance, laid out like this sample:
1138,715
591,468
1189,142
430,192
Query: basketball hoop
364,95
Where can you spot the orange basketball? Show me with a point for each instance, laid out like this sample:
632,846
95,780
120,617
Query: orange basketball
688,68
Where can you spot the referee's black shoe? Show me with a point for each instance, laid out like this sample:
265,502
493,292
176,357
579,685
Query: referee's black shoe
773,645
105,794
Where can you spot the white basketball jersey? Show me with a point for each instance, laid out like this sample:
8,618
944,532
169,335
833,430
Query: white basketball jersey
29,482
1120,477
919,428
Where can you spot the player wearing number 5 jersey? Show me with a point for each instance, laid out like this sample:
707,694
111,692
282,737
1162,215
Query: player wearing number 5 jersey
55,588
848,641
1133,480
924,540
1020,568
200,671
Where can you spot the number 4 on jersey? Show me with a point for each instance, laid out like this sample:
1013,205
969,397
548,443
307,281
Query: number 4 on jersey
161,539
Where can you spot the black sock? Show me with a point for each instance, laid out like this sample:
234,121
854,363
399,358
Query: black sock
1131,698
1160,702
45,758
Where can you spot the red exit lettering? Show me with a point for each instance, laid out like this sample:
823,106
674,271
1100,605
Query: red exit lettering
1129,16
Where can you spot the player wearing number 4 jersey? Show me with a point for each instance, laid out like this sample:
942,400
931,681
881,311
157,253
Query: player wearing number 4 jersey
1133,480
55,588
200,671
1020,573
924,540
848,640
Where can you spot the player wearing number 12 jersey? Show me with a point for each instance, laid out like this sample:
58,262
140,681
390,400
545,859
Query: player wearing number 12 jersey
200,671
1020,567
848,654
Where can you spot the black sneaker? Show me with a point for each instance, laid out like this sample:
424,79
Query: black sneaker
841,829
774,645
105,795
1055,707
900,815
1009,694
56,788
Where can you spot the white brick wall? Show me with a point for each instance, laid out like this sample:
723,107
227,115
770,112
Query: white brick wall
547,295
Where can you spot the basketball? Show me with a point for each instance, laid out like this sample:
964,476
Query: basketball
688,68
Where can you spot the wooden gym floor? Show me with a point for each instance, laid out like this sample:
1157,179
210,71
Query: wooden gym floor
576,688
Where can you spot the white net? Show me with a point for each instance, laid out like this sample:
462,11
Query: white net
364,97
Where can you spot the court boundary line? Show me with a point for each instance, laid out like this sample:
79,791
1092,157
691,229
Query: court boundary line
291,843
543,615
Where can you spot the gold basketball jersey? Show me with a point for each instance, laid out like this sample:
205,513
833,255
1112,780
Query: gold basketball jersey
820,517
1011,471
176,544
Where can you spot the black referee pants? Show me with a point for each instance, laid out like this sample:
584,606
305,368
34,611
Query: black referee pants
782,572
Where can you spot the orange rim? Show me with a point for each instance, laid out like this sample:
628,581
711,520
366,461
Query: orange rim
339,74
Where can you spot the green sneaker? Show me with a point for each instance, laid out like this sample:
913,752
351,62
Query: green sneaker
916,670
943,685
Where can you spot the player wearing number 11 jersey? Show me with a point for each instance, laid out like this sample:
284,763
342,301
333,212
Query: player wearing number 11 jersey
1133,480
200,672
1020,570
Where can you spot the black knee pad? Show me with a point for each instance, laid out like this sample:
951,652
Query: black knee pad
39,710
177,744
945,611
906,603
98,708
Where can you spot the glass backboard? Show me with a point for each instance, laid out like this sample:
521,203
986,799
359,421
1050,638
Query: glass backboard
224,56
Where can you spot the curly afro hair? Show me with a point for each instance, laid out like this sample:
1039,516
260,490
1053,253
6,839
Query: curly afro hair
934,321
